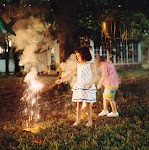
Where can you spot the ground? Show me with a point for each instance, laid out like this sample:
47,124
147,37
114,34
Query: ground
54,98
58,114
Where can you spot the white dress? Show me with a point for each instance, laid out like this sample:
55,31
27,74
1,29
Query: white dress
81,93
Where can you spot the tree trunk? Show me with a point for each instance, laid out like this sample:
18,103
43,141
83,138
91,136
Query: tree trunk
7,62
66,27
16,62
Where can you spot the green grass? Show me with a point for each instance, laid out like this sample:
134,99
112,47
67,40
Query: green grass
127,132
134,74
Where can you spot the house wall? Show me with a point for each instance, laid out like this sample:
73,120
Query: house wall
47,57
44,59
2,65
51,52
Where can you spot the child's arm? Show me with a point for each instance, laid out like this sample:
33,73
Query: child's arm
100,83
94,75
67,77
105,74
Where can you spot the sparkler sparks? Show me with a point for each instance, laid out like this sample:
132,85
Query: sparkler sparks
31,97
35,86
34,34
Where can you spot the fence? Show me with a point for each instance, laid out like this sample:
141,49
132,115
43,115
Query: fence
122,53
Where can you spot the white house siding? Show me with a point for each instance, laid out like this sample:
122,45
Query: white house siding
2,65
42,62
45,57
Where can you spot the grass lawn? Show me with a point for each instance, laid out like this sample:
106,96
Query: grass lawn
55,132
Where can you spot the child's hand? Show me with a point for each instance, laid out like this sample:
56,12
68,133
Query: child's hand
89,85
59,81
99,85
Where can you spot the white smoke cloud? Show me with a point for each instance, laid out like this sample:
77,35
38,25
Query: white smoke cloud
66,67
30,32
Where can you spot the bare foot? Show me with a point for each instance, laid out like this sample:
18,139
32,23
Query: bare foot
89,124
76,123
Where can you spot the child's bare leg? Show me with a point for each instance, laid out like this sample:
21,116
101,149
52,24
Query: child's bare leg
113,106
105,108
105,104
89,111
78,113
114,112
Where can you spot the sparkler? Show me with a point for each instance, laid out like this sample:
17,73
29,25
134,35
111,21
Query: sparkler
31,97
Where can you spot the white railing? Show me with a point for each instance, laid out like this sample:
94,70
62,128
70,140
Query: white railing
122,54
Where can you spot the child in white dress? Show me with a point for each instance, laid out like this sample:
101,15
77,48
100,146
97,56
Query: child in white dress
84,90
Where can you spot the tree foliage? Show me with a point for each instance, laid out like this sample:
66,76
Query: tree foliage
73,19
